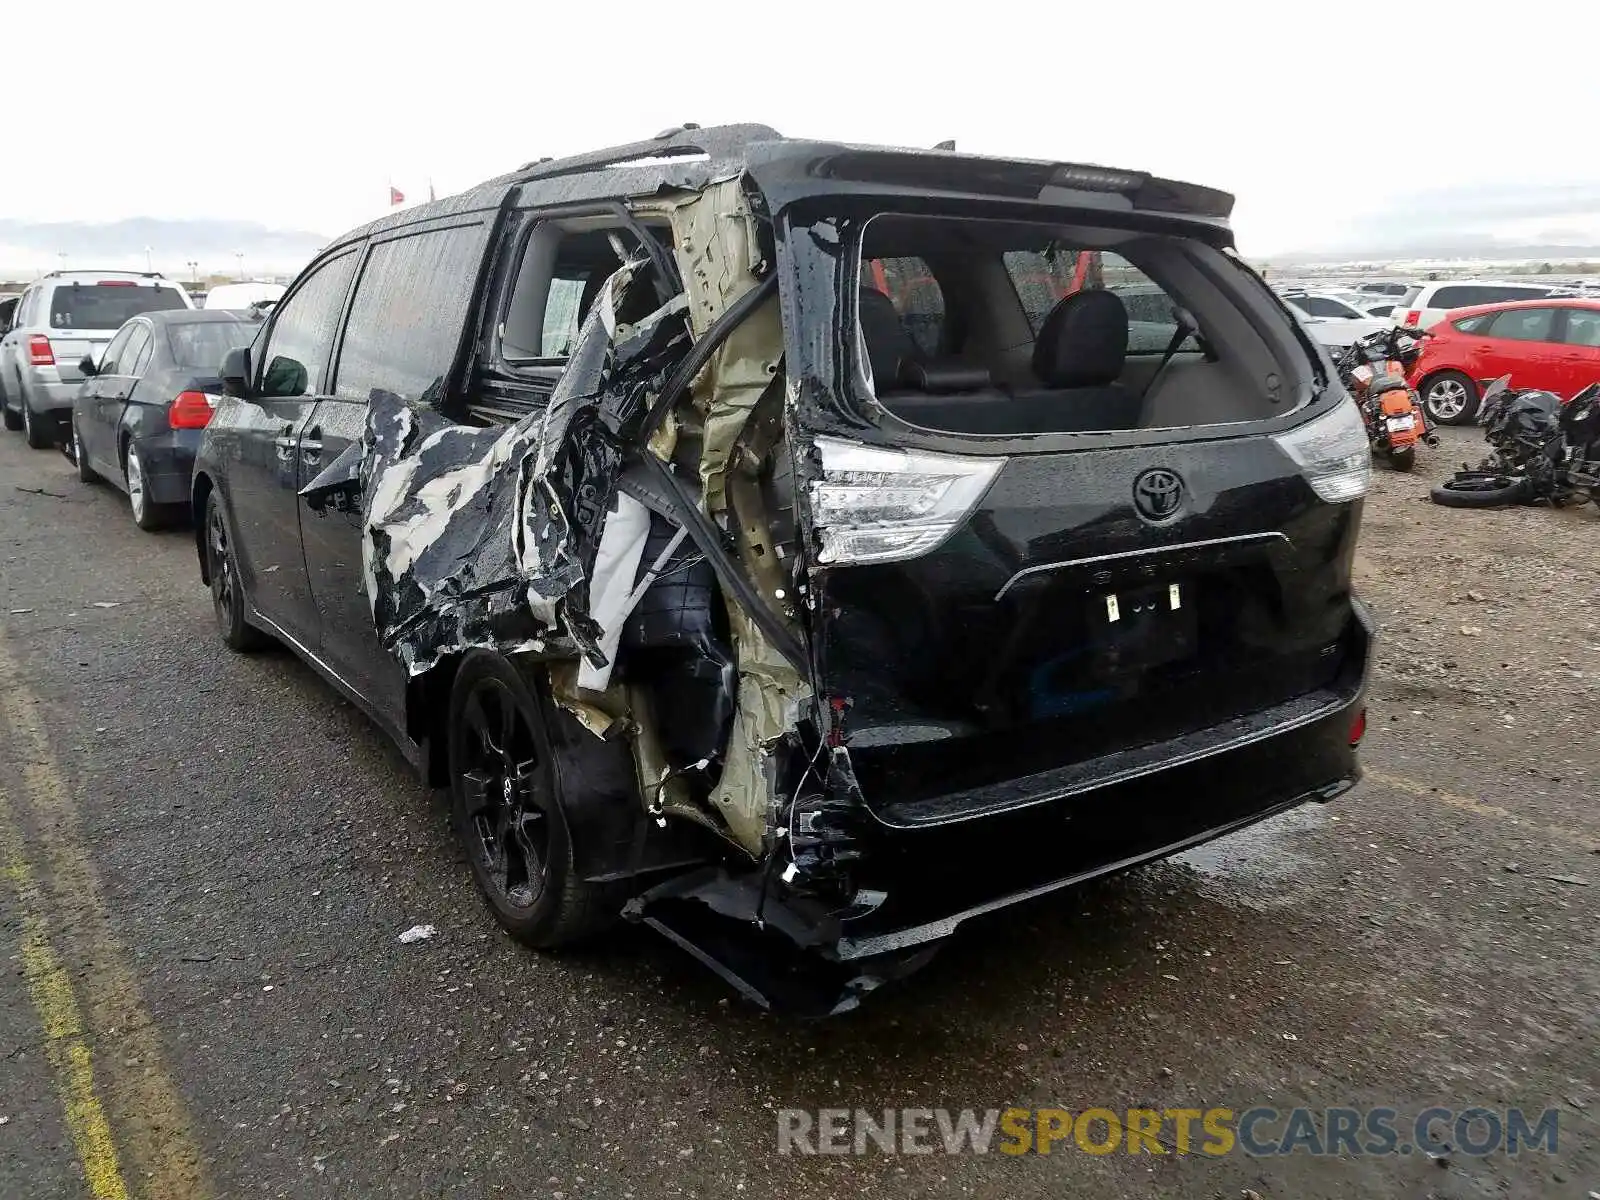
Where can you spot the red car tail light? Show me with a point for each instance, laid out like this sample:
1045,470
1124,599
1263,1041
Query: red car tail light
1413,317
190,410
39,352
1358,729
116,283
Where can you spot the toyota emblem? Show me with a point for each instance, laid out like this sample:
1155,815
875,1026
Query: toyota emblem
1158,494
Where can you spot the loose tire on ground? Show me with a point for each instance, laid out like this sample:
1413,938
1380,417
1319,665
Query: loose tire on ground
1477,489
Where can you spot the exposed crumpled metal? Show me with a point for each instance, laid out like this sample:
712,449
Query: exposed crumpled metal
485,537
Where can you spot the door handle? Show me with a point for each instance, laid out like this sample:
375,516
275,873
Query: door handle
311,445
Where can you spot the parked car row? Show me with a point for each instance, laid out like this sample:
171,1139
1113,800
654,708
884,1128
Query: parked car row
120,369
806,631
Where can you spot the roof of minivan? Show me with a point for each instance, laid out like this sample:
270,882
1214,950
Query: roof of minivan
788,169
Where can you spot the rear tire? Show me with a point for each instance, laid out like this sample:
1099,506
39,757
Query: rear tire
86,473
1403,460
227,593
147,515
506,807
1451,398
11,417
37,438
1481,489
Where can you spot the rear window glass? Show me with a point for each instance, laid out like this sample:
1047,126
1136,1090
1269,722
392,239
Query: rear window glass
107,305
1475,324
999,326
202,345
1410,297
1464,295
909,283
1043,278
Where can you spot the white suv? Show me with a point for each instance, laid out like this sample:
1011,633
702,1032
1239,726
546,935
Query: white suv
62,317
1425,304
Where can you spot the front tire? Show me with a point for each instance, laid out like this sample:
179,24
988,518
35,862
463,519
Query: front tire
1451,398
227,593
506,807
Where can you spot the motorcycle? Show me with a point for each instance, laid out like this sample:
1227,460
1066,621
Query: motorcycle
1374,370
1540,449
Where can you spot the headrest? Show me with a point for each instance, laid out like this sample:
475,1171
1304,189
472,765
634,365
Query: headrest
943,376
1083,342
883,337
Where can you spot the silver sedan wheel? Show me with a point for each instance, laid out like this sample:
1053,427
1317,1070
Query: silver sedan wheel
135,475
1446,399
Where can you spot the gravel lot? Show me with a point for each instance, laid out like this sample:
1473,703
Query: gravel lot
209,860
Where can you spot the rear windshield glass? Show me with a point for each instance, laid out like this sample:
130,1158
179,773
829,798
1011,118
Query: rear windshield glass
107,305
1001,327
202,345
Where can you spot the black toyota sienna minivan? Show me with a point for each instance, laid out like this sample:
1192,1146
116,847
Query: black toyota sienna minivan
803,548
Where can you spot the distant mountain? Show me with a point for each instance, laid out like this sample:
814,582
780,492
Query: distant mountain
214,244
1447,246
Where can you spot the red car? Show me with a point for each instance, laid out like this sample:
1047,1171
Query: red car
1553,344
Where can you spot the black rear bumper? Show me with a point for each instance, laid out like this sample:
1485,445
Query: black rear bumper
918,882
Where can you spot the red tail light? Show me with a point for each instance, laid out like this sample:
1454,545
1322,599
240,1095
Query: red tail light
39,352
191,410
1358,729
116,283
1413,318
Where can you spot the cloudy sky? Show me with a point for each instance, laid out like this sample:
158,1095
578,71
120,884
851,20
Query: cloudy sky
299,114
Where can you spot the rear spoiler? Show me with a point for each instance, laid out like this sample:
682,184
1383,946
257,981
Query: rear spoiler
790,170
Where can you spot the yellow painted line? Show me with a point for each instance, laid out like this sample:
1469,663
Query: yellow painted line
57,1007
132,1110
1479,808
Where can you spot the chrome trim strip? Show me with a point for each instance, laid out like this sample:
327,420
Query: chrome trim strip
1236,539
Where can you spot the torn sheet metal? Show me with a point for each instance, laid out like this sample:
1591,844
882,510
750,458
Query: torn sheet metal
717,242
487,537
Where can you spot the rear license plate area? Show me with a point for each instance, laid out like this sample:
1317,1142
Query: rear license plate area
1143,627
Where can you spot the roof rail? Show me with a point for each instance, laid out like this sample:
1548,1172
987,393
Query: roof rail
61,271
719,141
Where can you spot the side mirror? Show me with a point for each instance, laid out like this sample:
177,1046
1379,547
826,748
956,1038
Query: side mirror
87,366
236,372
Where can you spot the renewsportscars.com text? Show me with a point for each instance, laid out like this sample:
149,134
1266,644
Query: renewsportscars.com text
1260,1132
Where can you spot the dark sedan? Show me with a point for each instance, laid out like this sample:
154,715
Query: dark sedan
137,419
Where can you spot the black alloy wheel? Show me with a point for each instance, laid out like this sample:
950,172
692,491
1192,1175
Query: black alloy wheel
504,792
